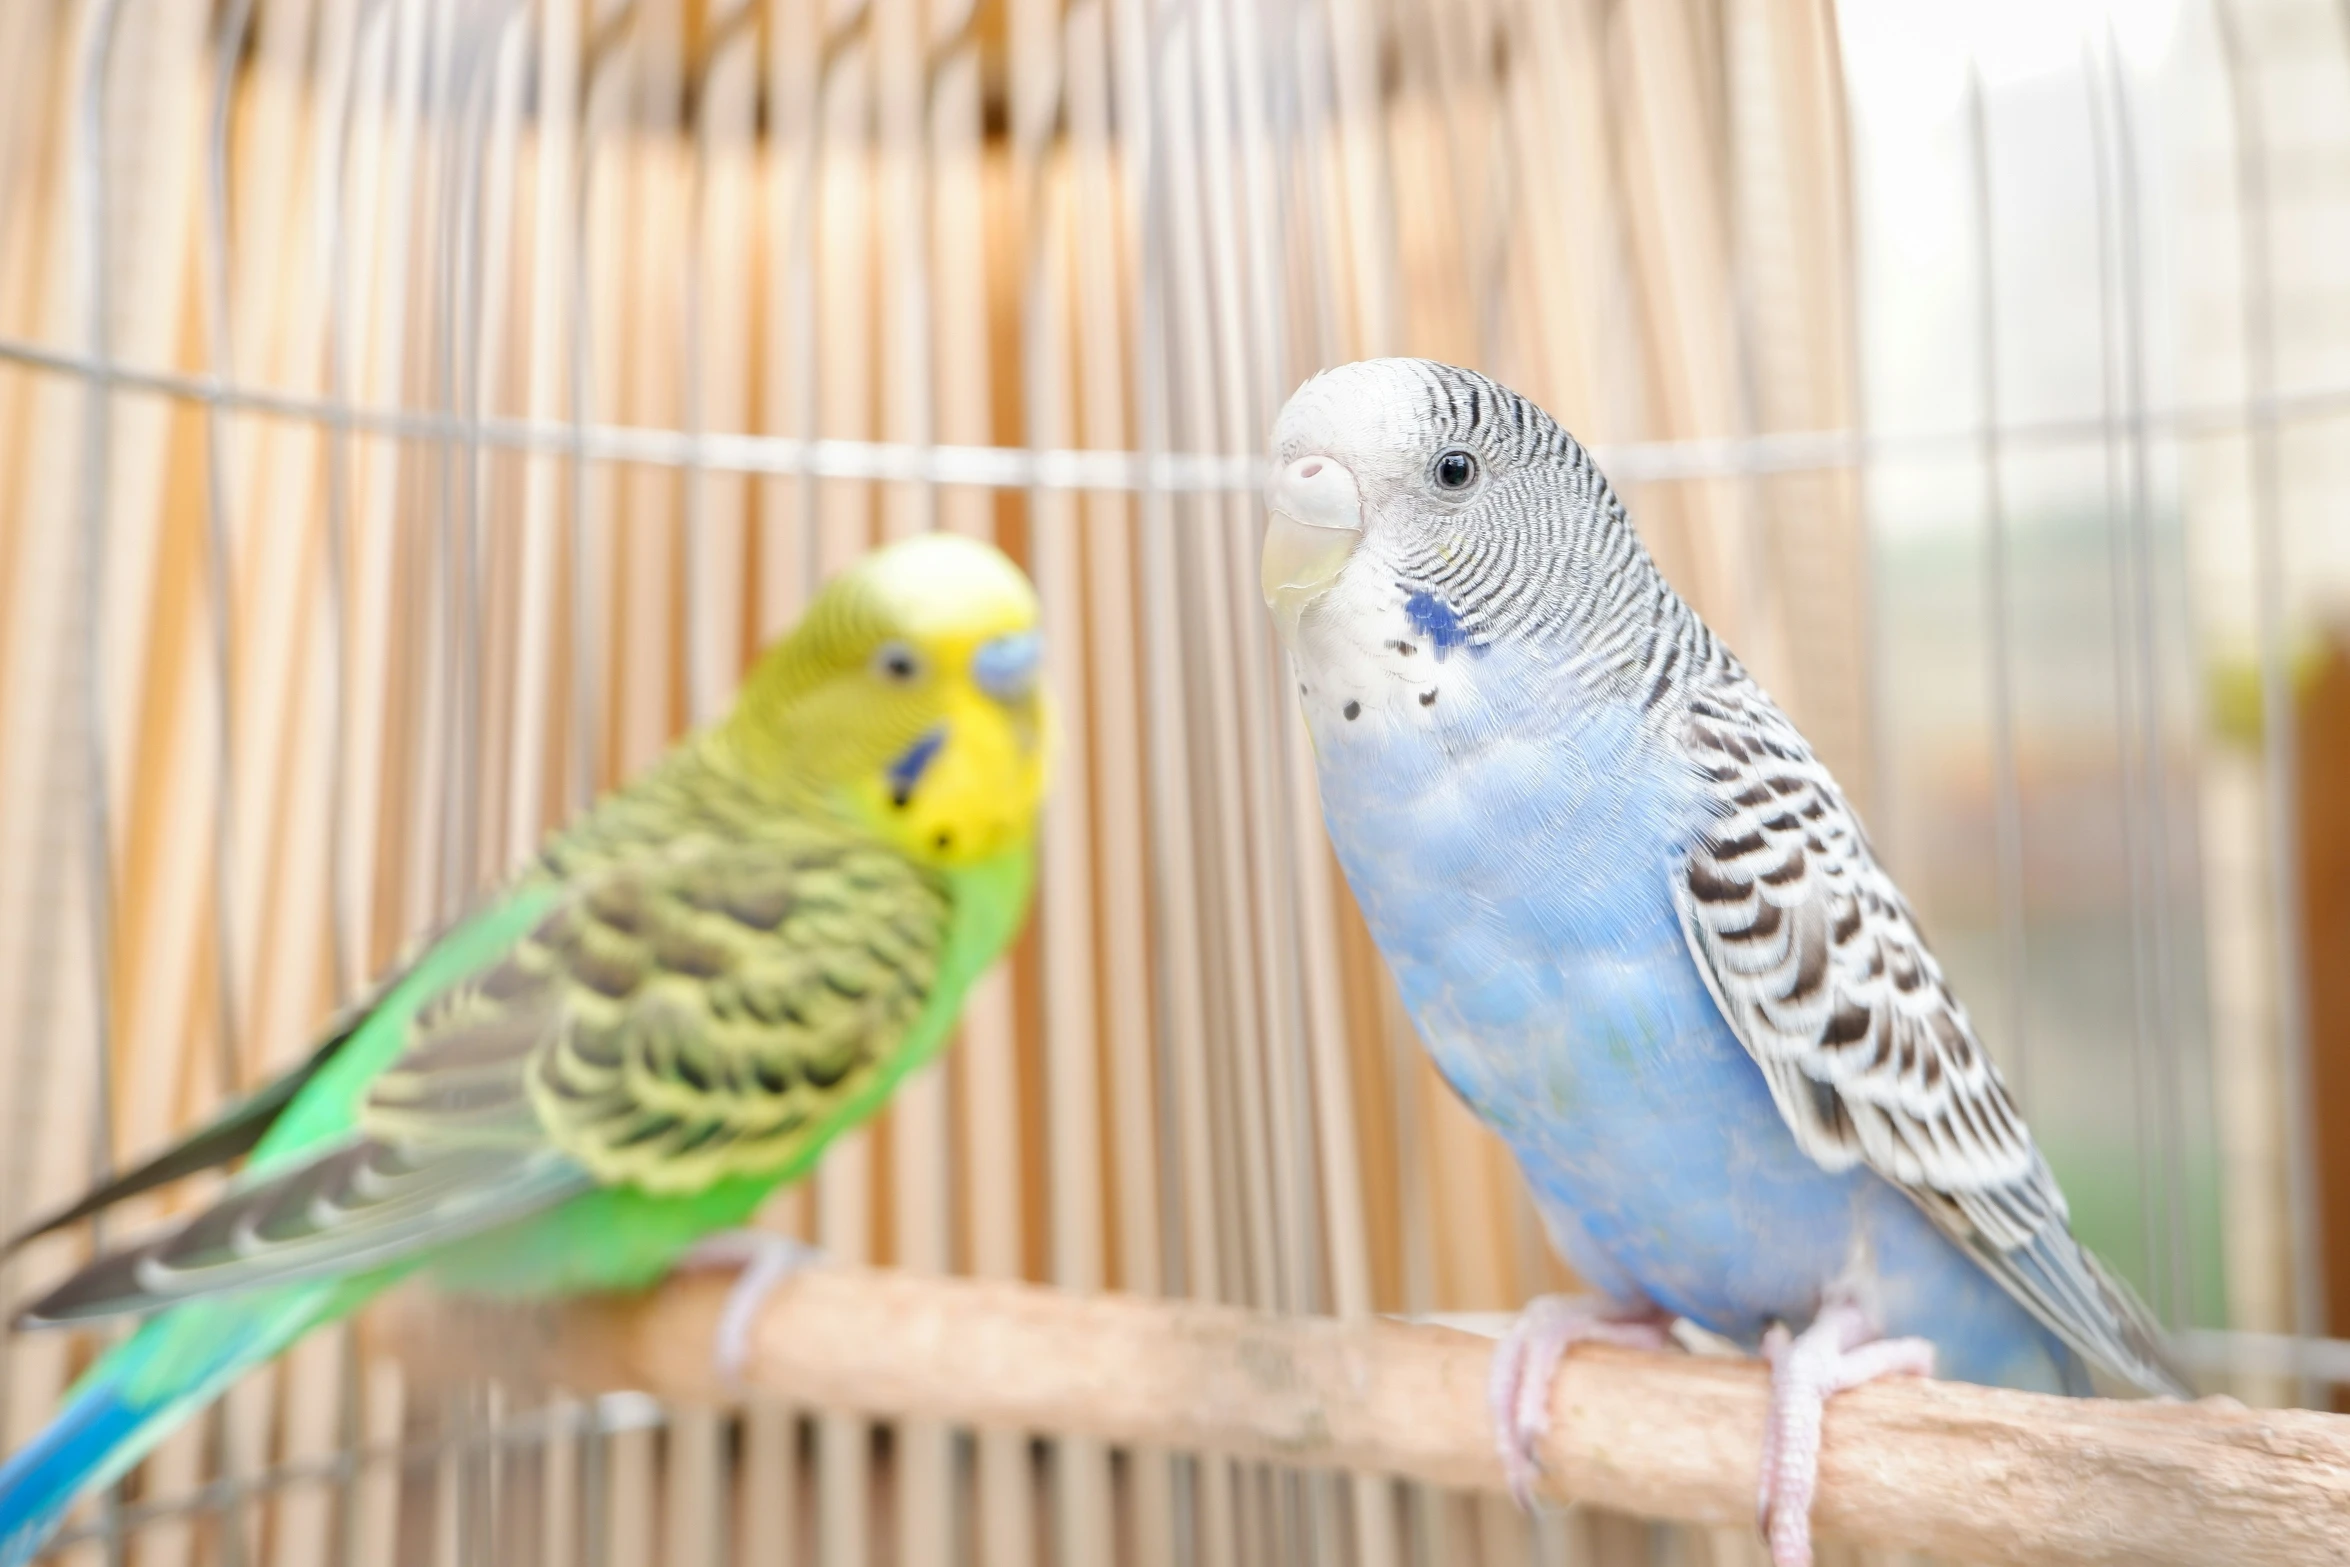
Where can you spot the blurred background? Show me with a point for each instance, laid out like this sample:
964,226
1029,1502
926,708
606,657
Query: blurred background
414,413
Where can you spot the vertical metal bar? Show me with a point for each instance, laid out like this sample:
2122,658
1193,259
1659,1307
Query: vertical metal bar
440,183
342,950
489,84
840,402
585,697
595,1464
770,1463
921,51
1370,202
835,34
793,65
2113,395
90,217
1222,874
1223,405
351,1437
608,25
2006,778
370,30
2168,1177
1187,1177
220,565
1873,683
1312,119
378,171
445,608
902,84
2279,728
1135,45
722,19
1505,206
90,195
1750,110
340,943
555,107
474,43
709,665
1082,1523
504,60
220,358
1252,390
696,1515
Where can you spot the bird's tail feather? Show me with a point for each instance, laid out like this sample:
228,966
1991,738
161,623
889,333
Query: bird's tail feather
134,1397
77,1450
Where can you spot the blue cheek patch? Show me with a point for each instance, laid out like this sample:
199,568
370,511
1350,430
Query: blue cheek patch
1433,618
1006,667
907,770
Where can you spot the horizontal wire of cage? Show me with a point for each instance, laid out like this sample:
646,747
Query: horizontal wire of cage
1081,468
413,414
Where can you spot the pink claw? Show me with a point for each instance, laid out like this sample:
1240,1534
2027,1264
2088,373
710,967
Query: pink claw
1517,1391
761,1261
1839,1350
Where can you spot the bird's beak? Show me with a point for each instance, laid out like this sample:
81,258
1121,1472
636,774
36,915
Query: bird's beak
1316,521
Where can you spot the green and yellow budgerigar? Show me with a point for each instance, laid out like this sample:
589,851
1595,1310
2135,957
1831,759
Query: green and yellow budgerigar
691,990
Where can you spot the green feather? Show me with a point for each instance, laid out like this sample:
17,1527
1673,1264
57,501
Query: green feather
723,966
622,1237
327,1108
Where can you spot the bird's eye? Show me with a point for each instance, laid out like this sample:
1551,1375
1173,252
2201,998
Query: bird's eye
897,663
1455,470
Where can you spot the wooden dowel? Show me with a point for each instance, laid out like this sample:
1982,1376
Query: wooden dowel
1966,1472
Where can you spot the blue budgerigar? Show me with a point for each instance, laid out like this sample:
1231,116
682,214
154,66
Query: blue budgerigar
1644,937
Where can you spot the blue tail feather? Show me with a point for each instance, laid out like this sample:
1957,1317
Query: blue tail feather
137,1394
77,1449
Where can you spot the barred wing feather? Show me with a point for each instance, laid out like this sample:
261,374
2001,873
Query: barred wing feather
1818,965
685,1013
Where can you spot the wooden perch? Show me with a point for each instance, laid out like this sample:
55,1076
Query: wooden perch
1965,1472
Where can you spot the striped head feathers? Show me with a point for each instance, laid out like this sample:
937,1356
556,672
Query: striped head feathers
1421,504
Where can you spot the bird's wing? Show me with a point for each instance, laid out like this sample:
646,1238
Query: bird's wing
711,1015
718,1009
1818,964
227,1136
232,1133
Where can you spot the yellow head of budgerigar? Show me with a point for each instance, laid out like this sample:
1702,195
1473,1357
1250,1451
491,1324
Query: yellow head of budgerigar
911,698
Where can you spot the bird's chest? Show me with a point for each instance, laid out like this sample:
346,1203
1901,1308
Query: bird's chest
1513,856
1522,898
1511,853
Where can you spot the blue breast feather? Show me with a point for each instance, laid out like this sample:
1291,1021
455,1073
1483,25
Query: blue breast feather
1513,859
1434,620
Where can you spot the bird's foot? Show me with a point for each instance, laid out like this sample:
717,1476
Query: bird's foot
1839,1350
761,1260
1517,1391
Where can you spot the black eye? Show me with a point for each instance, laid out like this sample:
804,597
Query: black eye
1455,470
896,663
